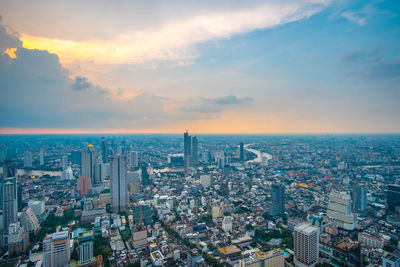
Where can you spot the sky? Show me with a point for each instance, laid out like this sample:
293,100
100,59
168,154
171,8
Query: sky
265,67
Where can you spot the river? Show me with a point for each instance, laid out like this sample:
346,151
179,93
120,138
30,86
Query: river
260,155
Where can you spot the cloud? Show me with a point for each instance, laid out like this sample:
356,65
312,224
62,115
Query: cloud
231,100
355,17
175,38
81,83
8,38
361,56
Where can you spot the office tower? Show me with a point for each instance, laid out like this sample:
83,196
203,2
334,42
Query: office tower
41,155
56,250
241,152
76,157
220,161
27,159
84,185
359,196
10,201
98,172
119,192
104,150
142,214
393,198
306,239
227,224
187,145
8,169
277,204
133,159
29,220
205,180
85,243
339,210
195,153
64,162
88,159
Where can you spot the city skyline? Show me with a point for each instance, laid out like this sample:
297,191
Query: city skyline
320,66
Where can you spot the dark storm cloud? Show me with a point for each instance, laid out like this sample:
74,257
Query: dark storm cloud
81,83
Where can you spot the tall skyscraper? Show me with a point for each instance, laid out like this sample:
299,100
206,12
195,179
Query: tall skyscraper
393,198
104,150
27,159
277,204
339,210
64,162
359,197
241,152
133,159
84,185
56,250
85,243
119,191
8,168
187,145
41,155
88,158
195,153
10,201
306,240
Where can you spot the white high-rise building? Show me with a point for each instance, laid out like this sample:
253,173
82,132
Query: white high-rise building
29,220
339,210
27,159
306,239
64,162
227,224
119,191
88,163
205,180
37,207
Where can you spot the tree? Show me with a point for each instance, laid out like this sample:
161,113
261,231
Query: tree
106,252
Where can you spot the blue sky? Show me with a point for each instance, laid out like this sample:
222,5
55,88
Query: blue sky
231,67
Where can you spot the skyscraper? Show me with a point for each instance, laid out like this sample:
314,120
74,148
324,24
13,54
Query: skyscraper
27,159
88,159
64,162
339,210
8,168
133,159
119,192
306,239
195,153
104,150
241,152
277,204
359,197
56,250
85,241
76,157
10,201
41,155
187,145
393,198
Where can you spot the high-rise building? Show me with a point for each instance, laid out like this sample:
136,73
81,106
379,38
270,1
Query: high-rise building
56,250
359,197
339,210
142,214
76,157
133,159
306,240
37,207
119,191
227,224
241,152
393,198
64,162
41,155
187,152
272,258
85,243
104,150
8,169
29,221
217,212
89,159
84,185
10,201
27,159
195,153
277,204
